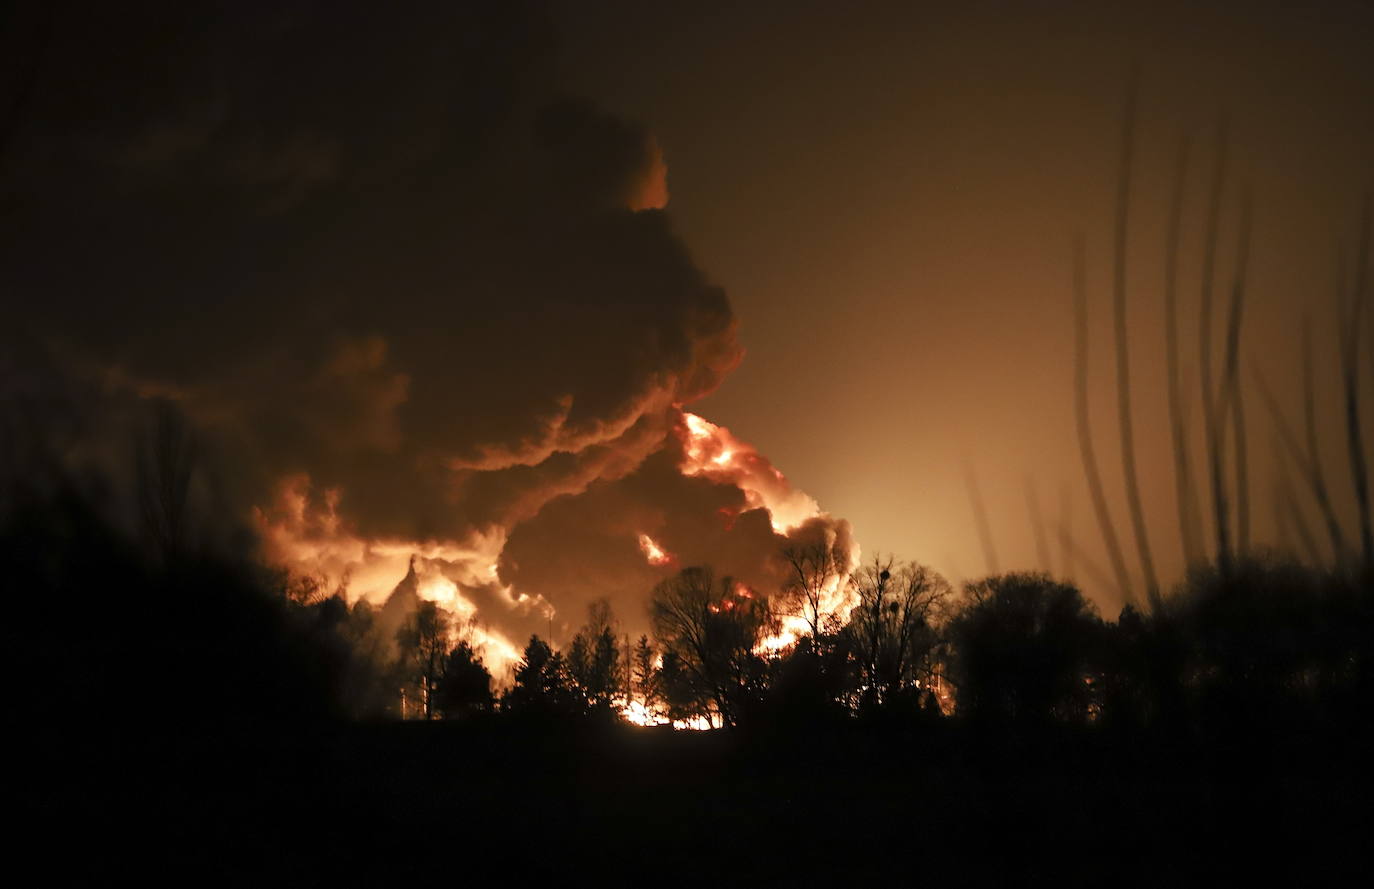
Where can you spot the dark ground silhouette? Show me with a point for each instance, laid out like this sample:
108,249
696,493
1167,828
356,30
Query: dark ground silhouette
180,722
508,802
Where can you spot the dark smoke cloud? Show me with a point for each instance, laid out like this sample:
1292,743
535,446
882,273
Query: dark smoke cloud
694,518
409,292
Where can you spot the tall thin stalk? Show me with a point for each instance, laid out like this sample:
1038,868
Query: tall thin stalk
1066,531
1287,506
1037,523
1242,473
1316,477
1307,460
1369,334
1231,406
1185,494
1349,335
1209,414
1123,359
1283,533
1085,435
980,516
1072,551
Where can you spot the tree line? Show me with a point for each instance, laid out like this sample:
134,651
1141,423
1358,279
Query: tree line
1264,641
175,632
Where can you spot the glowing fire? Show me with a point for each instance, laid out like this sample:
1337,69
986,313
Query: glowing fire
837,599
496,651
310,539
779,642
304,529
695,724
435,587
636,713
655,554
712,451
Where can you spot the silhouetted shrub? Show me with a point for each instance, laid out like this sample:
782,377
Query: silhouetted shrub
1026,649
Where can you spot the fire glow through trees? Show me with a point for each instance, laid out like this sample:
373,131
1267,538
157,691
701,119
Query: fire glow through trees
752,505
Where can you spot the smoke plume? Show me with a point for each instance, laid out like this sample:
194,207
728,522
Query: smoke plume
428,315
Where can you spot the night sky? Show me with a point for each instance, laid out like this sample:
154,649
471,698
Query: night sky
441,282
890,193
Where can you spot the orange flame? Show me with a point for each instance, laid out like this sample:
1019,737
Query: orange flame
304,529
310,538
655,554
712,451
636,713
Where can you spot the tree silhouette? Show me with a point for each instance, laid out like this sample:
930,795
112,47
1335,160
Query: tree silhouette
542,684
684,696
645,678
894,627
367,689
166,463
594,658
815,572
422,644
1025,650
814,680
465,686
712,629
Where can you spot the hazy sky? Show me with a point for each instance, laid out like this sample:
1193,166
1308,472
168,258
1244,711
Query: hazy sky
889,194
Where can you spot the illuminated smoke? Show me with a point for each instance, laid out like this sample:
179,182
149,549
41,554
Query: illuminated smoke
313,540
466,336
711,451
702,496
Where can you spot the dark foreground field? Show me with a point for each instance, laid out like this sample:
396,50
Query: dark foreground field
392,804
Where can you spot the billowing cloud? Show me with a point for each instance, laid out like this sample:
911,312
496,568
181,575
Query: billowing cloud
422,304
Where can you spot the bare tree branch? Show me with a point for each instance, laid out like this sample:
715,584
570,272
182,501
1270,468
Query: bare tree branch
1209,408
